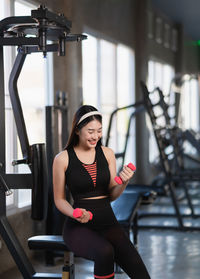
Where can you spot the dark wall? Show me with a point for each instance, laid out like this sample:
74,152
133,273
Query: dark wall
191,61
111,18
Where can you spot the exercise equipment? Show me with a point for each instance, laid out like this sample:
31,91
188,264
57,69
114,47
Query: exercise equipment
161,185
77,213
170,140
127,205
56,137
43,31
135,110
118,178
52,243
5,187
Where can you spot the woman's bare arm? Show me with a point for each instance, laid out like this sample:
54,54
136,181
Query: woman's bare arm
115,189
60,165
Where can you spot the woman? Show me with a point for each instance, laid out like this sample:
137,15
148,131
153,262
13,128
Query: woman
89,169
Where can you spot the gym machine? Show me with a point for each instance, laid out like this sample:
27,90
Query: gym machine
30,34
167,182
56,138
170,140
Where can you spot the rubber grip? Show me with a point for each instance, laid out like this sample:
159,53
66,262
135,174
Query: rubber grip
118,180
78,213
91,215
132,167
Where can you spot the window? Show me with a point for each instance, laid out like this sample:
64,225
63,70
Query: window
108,83
159,75
33,85
189,104
189,110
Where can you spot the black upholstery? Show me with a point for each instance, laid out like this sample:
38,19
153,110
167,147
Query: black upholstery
145,189
125,207
148,193
40,185
47,242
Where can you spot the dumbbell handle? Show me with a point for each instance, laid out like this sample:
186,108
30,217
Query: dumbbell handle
78,213
119,180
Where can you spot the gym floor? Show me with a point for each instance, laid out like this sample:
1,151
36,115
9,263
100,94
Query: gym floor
167,254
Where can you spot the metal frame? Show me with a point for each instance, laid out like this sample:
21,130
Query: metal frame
13,32
17,181
172,179
139,107
171,183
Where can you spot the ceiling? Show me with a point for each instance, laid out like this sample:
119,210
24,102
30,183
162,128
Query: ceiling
186,12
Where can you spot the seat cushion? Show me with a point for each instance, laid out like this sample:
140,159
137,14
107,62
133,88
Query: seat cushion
47,242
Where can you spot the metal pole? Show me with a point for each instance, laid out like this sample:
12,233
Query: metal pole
16,105
2,114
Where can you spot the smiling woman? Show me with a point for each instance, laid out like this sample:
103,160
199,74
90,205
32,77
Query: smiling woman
82,117
88,169
90,134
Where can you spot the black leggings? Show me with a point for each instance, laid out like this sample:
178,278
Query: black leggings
103,241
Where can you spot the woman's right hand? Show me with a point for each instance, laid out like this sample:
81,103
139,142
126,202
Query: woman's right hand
85,217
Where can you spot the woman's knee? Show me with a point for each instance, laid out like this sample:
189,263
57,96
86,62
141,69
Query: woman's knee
105,252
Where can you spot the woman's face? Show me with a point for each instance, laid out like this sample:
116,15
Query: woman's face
90,134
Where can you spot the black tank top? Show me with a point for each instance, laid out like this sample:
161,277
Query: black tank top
79,180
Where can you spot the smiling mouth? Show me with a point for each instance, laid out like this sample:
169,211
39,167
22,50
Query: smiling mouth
92,142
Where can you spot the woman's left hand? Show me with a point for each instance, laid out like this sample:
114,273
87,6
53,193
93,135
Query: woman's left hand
126,174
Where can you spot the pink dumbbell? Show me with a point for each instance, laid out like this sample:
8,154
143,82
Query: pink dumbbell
78,213
119,180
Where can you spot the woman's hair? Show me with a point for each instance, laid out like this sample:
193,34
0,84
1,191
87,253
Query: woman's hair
77,124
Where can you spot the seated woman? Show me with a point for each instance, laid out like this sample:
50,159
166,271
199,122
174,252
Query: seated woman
89,169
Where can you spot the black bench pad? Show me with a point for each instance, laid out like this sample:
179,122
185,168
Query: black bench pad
145,189
126,206
47,242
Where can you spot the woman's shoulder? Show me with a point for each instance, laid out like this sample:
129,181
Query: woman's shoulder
62,159
108,152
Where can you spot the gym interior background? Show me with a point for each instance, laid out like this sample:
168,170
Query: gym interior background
128,41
